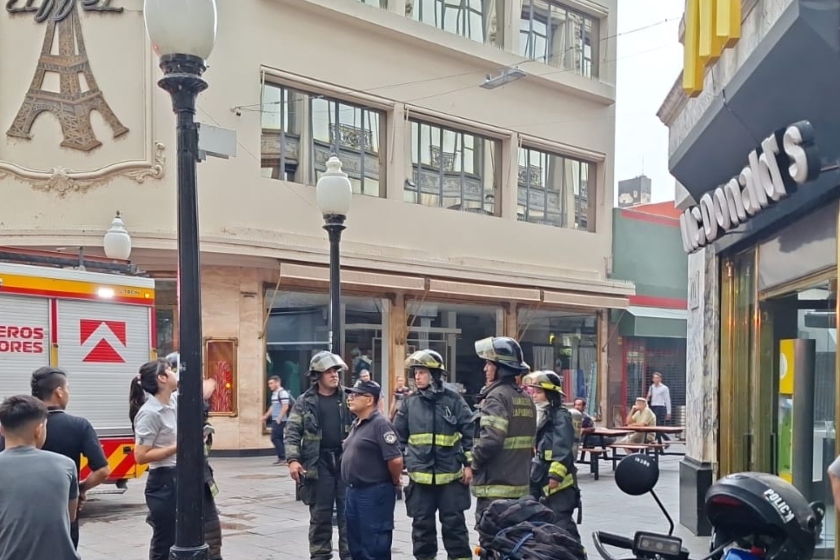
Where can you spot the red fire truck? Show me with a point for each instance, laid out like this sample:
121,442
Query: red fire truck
98,327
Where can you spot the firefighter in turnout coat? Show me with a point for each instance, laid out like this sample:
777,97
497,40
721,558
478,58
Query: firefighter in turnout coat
553,469
507,426
318,424
436,430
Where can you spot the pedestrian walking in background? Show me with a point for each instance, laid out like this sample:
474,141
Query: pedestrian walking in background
39,490
659,399
276,416
68,435
156,433
507,426
371,466
400,393
317,426
553,471
436,430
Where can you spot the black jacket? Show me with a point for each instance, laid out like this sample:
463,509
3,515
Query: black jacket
435,428
303,429
502,453
555,457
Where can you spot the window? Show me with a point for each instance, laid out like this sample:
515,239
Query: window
475,19
301,131
554,34
451,169
554,190
166,316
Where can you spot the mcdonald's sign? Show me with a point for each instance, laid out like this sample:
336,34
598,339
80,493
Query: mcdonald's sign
710,27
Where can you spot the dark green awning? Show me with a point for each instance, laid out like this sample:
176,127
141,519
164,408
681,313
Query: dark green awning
655,322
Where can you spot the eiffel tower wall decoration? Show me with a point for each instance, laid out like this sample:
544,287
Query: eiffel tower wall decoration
71,105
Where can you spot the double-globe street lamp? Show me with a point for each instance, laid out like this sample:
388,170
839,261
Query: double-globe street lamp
182,33
334,193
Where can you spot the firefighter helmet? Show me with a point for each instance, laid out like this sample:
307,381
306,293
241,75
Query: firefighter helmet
505,353
324,361
545,380
428,359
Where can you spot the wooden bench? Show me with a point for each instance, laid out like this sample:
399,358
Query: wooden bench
651,449
595,456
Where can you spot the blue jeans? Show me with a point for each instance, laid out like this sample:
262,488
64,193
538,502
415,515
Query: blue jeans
370,521
277,430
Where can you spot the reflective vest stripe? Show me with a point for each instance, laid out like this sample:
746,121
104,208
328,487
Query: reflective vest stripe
519,442
499,491
558,470
438,479
469,457
440,440
497,422
567,481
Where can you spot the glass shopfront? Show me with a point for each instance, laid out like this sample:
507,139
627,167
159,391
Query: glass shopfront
452,329
566,343
297,327
779,363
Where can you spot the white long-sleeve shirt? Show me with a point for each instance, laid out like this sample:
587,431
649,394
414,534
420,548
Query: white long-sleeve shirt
660,396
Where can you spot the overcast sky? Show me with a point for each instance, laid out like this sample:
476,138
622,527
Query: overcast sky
649,60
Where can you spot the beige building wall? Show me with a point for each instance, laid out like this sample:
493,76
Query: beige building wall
64,196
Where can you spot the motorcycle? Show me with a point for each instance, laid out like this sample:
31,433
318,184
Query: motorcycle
755,516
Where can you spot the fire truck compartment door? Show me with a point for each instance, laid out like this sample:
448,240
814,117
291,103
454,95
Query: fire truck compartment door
24,341
102,346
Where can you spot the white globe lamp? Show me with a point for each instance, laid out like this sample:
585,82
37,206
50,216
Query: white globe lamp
117,242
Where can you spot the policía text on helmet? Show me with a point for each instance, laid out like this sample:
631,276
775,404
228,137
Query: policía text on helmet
785,159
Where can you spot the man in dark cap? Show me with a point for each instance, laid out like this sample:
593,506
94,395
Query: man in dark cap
371,466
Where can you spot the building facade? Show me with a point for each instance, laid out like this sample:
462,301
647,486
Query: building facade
758,180
477,211
649,336
635,191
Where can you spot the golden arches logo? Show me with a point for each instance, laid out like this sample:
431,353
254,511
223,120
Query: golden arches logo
711,26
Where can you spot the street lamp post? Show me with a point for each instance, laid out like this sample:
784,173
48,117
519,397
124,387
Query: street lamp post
333,194
182,33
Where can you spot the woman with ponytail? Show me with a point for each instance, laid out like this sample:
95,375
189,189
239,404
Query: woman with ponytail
153,409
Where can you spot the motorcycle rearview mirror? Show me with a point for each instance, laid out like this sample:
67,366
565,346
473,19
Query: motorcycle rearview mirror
637,474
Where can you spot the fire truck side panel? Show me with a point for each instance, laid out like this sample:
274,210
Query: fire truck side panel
24,341
120,454
102,345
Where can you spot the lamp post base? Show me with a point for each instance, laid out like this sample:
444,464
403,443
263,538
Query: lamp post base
188,552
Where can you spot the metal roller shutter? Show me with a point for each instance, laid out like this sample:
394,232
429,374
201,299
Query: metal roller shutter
24,341
101,346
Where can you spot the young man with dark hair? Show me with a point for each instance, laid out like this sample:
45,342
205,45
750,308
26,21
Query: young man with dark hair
68,435
39,490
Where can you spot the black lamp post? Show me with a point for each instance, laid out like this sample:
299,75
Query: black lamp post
334,194
182,33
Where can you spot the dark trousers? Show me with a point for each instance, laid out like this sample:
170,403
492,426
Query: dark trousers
448,501
74,532
277,439
161,497
563,504
322,495
370,521
660,412
481,504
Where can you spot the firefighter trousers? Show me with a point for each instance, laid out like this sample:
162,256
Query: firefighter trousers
449,502
563,504
323,495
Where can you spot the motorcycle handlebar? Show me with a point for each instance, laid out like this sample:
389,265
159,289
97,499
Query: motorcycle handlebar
610,539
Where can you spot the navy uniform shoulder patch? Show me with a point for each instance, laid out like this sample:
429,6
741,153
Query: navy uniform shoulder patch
390,438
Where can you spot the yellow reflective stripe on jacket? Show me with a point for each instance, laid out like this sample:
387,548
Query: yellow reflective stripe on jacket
547,454
441,440
311,437
519,442
469,457
499,491
438,479
558,469
497,422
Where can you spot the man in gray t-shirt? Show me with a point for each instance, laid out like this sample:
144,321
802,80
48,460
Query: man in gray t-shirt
39,490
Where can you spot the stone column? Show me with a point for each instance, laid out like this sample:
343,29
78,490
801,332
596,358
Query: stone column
702,379
398,330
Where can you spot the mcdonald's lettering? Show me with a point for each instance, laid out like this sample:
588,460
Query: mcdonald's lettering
711,26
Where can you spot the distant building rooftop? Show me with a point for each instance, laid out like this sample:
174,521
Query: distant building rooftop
661,209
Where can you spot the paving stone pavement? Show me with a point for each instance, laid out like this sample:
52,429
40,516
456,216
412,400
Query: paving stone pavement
262,521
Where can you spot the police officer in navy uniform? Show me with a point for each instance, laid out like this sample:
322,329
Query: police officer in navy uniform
371,467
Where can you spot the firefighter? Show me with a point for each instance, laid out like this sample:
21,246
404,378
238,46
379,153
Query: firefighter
507,426
315,431
553,469
435,428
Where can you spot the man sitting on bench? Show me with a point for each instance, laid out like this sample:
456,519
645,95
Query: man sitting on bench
640,415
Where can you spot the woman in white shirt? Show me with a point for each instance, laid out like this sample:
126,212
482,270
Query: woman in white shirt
154,415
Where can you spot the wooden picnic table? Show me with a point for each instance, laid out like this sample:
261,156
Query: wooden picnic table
658,432
596,454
